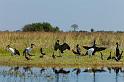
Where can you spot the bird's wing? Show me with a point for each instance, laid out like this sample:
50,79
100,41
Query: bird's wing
100,48
86,47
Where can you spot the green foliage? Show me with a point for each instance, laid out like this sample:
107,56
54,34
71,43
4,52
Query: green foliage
40,27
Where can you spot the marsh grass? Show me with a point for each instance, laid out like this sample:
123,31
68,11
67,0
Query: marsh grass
21,40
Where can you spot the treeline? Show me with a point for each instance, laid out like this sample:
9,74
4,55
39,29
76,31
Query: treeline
40,27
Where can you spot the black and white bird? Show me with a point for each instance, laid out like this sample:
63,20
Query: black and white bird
13,51
28,50
90,52
93,49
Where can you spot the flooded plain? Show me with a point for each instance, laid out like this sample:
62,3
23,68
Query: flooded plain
34,74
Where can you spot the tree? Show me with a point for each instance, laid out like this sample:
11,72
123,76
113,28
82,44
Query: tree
74,27
42,27
92,30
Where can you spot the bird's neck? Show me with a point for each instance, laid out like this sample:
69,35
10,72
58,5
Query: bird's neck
117,46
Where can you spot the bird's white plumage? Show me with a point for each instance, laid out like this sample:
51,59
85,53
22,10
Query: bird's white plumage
11,50
90,51
28,49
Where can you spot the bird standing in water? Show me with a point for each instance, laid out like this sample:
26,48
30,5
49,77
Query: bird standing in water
13,51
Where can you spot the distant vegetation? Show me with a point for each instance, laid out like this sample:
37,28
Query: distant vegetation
40,27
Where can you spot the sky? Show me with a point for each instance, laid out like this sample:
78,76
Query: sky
97,14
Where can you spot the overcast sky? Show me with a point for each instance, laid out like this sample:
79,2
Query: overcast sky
97,14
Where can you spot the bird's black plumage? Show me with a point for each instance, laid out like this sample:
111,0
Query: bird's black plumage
17,52
101,55
61,47
118,55
42,53
53,56
78,50
96,49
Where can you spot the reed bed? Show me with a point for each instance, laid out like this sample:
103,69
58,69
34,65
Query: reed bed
46,40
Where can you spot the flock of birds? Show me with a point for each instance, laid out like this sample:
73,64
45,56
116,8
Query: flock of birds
90,51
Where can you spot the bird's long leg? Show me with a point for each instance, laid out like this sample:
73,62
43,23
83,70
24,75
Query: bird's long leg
24,54
29,54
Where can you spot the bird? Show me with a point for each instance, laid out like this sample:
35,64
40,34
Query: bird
94,48
13,51
61,47
118,55
42,54
78,51
101,55
28,50
90,52
117,49
110,57
53,56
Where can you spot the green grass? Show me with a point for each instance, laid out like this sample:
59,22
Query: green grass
46,41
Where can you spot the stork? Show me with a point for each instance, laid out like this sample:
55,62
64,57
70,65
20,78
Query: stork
27,51
13,51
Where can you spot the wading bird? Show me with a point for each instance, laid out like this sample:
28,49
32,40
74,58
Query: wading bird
13,51
93,49
27,52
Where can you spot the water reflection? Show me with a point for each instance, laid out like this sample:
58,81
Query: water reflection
94,71
31,74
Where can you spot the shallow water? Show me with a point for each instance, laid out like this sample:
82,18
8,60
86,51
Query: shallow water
27,74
